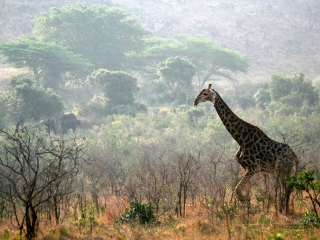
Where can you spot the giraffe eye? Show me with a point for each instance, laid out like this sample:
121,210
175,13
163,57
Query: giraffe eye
205,94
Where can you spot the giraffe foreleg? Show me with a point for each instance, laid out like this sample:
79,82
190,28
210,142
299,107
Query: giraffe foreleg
243,182
238,153
240,156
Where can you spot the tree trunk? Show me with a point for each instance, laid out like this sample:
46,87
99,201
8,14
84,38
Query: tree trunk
56,210
31,220
184,199
179,202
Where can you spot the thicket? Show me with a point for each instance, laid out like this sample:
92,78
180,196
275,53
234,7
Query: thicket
175,163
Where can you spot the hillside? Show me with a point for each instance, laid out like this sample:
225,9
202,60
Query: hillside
274,34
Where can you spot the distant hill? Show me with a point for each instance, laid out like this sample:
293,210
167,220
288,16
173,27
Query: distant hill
274,34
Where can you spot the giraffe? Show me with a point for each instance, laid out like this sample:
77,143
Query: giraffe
257,152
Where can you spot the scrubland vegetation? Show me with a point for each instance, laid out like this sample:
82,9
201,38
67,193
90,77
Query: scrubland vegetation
145,163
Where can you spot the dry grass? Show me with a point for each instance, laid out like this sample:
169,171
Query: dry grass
198,224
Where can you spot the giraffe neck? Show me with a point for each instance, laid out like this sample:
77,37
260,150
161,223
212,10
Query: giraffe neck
238,128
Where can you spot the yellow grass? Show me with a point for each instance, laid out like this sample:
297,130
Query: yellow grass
197,225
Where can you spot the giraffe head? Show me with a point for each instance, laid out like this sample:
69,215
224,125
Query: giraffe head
205,95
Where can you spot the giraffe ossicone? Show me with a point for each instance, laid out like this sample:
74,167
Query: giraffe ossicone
257,152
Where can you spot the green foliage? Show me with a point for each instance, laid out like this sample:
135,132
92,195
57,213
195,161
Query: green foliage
196,112
87,217
177,73
208,58
141,107
292,89
242,94
6,234
310,220
286,95
4,116
316,83
124,110
106,37
306,182
223,210
193,113
211,60
159,49
20,80
117,86
262,96
276,236
97,107
142,213
171,221
245,101
155,93
47,60
24,101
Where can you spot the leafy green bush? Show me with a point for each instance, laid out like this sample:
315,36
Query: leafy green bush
196,113
285,95
124,110
177,74
6,234
306,182
117,86
276,236
97,107
141,213
25,101
155,93
310,220
141,107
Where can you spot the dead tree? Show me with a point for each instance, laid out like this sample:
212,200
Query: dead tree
36,170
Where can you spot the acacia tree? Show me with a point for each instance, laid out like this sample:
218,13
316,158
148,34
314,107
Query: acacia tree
117,86
177,73
24,101
157,50
34,170
209,59
103,36
47,60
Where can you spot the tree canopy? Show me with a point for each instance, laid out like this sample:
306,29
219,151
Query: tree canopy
177,73
292,89
209,59
288,94
117,86
103,36
24,101
44,59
